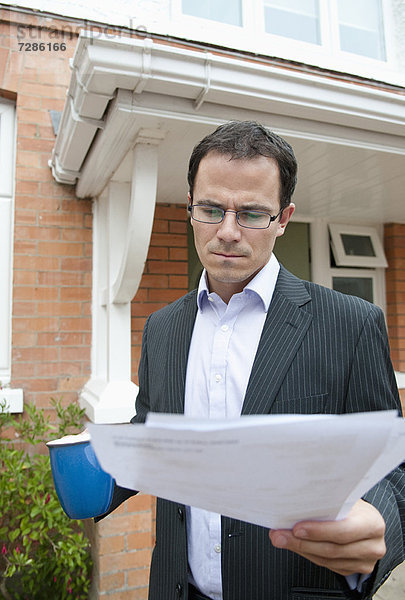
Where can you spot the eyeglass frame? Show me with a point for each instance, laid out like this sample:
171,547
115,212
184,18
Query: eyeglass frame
237,212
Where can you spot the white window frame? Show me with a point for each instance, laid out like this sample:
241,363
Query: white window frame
376,275
251,37
321,270
13,397
346,260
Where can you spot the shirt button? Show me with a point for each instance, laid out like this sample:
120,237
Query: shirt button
218,377
210,299
224,328
217,548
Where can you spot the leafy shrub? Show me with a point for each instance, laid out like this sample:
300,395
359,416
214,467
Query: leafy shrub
43,554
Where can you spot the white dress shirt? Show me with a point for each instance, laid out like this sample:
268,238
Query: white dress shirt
222,351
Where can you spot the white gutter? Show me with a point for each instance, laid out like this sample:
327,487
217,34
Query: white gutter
102,66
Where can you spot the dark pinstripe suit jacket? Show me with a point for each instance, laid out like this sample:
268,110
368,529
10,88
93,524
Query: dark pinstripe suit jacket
320,352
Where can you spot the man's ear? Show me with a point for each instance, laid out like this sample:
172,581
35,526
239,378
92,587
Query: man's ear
285,218
189,203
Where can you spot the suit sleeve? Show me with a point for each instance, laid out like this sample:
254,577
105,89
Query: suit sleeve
372,386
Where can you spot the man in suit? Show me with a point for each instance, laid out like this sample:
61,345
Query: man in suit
255,339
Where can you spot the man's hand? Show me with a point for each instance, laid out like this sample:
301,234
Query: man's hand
353,545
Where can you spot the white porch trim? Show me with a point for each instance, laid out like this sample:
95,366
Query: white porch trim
102,66
123,220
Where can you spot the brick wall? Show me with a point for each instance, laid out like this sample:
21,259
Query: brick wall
166,272
394,242
122,543
51,320
51,323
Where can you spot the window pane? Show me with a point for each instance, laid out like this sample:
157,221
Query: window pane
361,27
225,11
357,245
293,19
355,286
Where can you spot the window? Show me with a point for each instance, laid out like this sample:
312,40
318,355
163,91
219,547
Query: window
360,248
13,397
355,285
6,234
296,19
356,246
224,11
361,28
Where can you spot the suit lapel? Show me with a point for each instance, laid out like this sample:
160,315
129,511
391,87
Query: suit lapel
284,329
180,336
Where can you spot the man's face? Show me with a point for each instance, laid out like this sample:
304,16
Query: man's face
231,254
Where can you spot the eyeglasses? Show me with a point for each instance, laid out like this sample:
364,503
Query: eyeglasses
251,219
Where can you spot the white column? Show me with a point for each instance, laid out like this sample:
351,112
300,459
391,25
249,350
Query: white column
123,220
320,252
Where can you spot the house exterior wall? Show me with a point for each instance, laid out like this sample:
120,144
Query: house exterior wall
51,317
394,241
51,321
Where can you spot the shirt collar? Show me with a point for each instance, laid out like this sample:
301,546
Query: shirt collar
262,284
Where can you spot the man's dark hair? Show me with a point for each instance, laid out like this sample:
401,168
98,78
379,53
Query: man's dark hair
248,139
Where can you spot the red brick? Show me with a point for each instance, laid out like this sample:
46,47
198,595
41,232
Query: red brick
60,278
75,324
36,263
76,264
60,249
158,253
154,281
160,226
138,594
164,295
35,354
139,502
35,324
72,353
24,339
173,212
114,525
144,310
75,293
178,281
113,581
25,277
168,239
124,561
138,541
138,577
169,267
178,253
58,308
178,227
65,339
111,544
36,293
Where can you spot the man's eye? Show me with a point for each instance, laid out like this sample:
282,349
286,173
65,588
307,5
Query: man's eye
211,212
253,216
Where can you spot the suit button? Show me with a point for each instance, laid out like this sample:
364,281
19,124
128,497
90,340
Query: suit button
179,589
180,513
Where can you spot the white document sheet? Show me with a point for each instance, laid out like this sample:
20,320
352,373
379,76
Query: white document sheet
271,470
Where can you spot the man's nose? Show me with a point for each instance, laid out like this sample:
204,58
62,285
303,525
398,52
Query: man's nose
229,229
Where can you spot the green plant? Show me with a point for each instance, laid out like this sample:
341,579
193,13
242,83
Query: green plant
43,554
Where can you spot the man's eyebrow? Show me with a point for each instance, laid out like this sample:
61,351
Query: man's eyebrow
244,206
209,202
